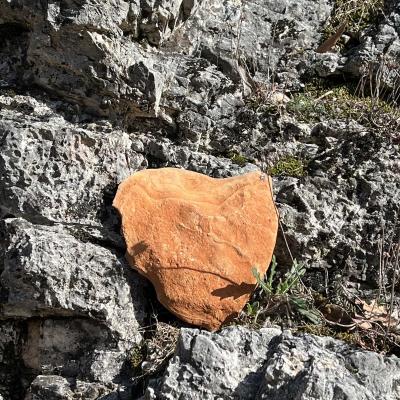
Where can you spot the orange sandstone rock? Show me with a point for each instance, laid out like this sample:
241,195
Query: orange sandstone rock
197,238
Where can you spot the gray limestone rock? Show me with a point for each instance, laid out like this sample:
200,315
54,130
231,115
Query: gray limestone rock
10,360
336,215
54,387
378,54
160,18
166,154
55,170
226,365
13,46
95,55
309,367
238,363
205,102
152,83
266,37
88,52
83,303
50,387
78,50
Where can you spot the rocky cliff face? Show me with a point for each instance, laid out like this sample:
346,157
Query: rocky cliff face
91,92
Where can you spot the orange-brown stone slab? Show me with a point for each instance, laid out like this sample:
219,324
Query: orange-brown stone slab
197,238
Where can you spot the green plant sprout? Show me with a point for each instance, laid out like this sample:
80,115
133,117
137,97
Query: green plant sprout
284,292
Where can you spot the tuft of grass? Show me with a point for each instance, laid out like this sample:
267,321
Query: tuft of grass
282,296
367,102
285,301
288,166
159,347
266,99
283,286
150,356
320,102
353,338
305,107
357,14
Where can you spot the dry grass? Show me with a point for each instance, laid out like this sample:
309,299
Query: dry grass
372,324
357,15
152,355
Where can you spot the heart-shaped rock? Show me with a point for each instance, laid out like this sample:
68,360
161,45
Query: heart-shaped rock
197,238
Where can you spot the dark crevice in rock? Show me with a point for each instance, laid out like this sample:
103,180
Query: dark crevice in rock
13,48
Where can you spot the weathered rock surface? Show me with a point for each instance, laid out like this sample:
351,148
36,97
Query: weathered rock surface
179,82
89,52
214,365
378,53
189,233
54,387
101,56
265,37
54,170
336,215
243,364
241,45
312,367
81,304
10,360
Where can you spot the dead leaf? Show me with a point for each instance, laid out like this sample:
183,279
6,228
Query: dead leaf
365,325
374,312
332,40
361,322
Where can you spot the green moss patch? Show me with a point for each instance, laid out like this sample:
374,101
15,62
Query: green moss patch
238,159
288,166
320,102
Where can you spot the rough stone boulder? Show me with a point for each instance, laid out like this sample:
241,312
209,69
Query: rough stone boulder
265,364
67,307
197,238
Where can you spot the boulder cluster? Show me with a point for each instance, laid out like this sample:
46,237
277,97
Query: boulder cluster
176,111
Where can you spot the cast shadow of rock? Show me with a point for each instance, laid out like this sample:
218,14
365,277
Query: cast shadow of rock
234,290
139,248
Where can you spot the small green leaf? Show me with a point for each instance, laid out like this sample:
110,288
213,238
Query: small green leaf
260,281
255,273
304,308
311,315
